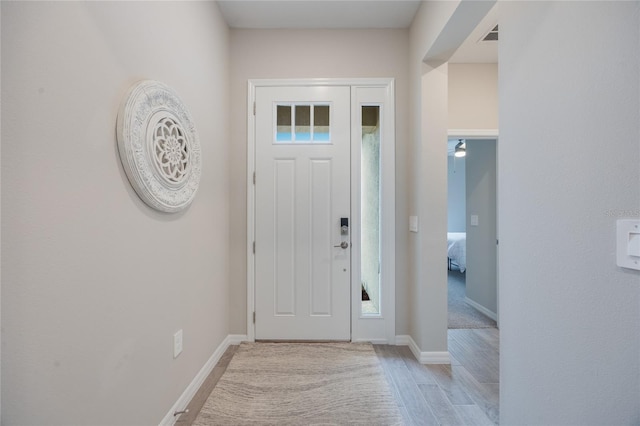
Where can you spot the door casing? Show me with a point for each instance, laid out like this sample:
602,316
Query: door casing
387,326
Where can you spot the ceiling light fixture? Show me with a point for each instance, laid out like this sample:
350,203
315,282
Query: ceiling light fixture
461,149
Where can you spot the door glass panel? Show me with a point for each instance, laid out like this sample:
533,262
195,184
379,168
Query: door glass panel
283,132
370,211
303,123
321,123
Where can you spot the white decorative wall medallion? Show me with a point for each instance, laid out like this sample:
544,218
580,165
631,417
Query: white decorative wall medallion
159,146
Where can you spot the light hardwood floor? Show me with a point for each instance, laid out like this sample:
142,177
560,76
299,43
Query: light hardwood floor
464,393
203,393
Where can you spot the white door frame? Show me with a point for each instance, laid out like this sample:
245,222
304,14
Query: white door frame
388,194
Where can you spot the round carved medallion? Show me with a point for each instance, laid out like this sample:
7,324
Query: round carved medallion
159,146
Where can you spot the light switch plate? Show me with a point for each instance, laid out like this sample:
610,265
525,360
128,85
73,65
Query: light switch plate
413,223
628,243
177,343
474,220
633,247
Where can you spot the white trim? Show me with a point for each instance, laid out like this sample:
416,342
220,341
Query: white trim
388,224
423,357
236,339
190,391
472,133
434,358
403,340
251,167
497,318
414,348
388,195
372,341
375,327
310,82
482,309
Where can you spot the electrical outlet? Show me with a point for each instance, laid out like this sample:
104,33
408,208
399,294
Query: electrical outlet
177,343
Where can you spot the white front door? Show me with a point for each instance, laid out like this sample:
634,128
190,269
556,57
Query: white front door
302,200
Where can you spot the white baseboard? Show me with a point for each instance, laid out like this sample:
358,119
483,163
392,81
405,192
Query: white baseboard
372,341
403,340
423,357
434,358
190,391
236,339
482,309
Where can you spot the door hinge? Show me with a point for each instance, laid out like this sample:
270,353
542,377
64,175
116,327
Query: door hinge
254,317
254,178
254,247
254,108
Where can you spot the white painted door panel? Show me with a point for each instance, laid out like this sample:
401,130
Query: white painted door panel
302,282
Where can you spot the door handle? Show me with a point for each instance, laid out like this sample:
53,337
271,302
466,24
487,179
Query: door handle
343,245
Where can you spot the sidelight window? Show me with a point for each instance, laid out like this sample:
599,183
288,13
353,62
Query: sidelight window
370,210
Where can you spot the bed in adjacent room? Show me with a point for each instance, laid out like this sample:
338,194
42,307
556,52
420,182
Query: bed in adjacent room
457,250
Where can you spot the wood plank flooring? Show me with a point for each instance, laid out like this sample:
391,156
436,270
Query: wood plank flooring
203,393
464,393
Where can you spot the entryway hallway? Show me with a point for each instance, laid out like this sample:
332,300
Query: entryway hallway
463,393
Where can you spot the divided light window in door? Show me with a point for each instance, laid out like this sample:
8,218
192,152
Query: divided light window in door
303,123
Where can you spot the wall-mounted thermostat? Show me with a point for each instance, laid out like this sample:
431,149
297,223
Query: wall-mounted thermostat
628,244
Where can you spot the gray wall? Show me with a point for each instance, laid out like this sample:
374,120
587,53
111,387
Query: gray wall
456,194
92,287
569,167
481,239
437,30
473,96
427,285
94,283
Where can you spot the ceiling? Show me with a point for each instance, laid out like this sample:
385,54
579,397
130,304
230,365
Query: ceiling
319,14
349,14
474,50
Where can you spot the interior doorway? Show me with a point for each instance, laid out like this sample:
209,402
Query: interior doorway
472,233
472,208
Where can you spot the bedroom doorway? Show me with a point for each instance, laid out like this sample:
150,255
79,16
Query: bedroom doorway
472,232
